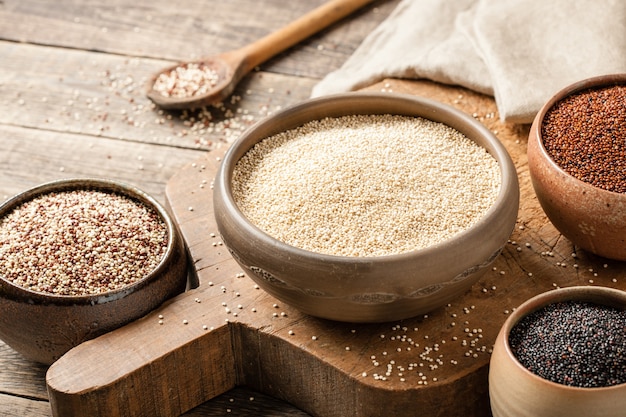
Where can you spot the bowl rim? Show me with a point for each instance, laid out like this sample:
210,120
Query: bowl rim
97,184
509,181
599,81
591,293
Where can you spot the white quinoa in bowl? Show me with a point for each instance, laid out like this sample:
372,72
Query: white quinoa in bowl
366,207
366,185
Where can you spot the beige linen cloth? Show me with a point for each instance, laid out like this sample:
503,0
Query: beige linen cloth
519,51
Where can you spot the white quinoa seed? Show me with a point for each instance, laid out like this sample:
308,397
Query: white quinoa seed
366,185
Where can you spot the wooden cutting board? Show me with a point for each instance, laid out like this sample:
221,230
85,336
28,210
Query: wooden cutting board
227,332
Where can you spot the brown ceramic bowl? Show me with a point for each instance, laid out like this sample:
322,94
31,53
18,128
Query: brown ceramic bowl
43,326
367,289
590,217
515,391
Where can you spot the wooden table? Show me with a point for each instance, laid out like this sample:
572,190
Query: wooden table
73,104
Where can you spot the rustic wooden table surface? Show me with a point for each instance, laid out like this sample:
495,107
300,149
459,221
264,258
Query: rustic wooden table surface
72,103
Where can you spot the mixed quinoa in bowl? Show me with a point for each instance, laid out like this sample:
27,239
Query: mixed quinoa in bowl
81,257
80,242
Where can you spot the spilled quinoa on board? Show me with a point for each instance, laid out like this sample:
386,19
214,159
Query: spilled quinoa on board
366,185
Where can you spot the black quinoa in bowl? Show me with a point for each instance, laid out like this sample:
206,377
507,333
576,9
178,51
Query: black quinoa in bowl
562,353
577,343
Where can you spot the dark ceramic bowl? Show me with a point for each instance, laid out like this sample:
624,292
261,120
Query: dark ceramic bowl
42,326
515,391
367,289
589,216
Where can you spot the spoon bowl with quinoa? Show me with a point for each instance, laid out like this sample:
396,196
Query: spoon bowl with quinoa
577,163
81,257
366,207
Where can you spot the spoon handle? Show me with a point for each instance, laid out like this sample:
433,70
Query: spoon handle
298,30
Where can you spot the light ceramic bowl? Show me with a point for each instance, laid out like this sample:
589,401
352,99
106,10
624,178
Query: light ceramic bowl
43,326
367,289
515,391
590,217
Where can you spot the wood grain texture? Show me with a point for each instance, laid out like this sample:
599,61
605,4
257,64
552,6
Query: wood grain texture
16,406
41,156
240,402
94,95
72,103
437,363
20,380
186,29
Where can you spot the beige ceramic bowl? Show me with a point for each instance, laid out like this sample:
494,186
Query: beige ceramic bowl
42,327
515,391
367,289
590,217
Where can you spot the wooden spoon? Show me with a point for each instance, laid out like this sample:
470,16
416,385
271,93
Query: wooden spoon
232,66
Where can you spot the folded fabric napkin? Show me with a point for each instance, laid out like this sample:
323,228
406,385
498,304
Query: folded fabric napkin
519,51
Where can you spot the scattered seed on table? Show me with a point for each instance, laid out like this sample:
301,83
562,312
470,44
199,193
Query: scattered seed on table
80,242
366,185
573,343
